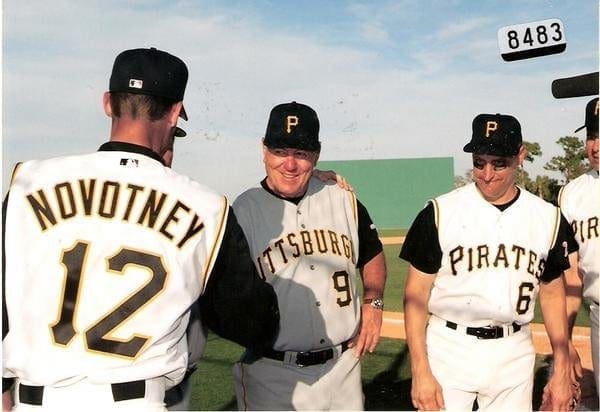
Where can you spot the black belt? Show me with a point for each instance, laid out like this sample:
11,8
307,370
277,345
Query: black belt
33,395
487,332
305,358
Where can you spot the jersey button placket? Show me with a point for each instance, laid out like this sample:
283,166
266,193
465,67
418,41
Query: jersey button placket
299,213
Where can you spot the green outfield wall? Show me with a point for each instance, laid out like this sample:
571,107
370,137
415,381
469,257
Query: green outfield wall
395,190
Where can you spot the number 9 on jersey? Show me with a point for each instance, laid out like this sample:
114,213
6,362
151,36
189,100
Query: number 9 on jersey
534,39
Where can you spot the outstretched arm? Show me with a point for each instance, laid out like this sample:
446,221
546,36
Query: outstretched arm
426,392
573,291
560,390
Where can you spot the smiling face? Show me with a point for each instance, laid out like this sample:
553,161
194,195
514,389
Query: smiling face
288,170
495,176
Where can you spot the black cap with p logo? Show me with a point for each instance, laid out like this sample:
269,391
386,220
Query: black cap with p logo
495,134
591,118
293,125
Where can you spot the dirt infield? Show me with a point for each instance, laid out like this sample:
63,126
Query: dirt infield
392,240
393,327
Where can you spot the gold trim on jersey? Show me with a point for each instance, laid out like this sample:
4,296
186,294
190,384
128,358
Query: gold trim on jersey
354,206
216,242
556,226
436,213
15,170
560,195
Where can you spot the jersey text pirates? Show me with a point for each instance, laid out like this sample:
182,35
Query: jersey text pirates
579,201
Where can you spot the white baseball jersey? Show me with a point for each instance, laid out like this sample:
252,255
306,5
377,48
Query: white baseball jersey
105,253
308,253
492,259
579,201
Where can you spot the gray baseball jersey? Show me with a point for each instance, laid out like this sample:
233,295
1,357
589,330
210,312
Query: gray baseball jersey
308,253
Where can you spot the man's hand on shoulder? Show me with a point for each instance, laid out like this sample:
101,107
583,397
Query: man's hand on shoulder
331,176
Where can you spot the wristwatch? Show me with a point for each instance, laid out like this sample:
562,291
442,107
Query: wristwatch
377,303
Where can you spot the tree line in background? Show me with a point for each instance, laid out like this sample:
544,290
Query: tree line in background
571,164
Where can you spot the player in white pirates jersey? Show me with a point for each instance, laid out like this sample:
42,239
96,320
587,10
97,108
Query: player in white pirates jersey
579,201
478,257
105,253
309,240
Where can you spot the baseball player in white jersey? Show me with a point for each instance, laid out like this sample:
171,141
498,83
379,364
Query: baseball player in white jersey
105,253
310,240
579,201
478,257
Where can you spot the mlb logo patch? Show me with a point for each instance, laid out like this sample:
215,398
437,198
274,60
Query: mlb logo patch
135,83
129,162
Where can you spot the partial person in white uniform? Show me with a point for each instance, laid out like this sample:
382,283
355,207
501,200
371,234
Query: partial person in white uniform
478,257
310,240
579,201
105,253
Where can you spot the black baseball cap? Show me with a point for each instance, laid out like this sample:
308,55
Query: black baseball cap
152,72
495,134
591,118
293,125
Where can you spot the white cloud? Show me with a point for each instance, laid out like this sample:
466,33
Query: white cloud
461,28
58,60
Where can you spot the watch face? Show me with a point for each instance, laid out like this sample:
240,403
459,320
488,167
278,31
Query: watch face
377,303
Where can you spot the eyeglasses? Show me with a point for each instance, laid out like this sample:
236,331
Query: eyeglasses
497,164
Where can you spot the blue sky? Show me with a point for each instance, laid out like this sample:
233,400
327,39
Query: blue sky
389,79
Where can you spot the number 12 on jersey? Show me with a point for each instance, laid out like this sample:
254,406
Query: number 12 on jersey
538,38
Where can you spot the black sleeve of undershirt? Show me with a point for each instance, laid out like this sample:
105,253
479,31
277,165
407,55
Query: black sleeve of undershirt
558,259
572,245
421,246
237,304
369,244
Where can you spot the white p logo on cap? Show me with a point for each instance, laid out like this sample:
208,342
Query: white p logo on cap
291,121
490,126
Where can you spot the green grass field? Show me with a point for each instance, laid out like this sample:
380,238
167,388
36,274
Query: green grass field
385,373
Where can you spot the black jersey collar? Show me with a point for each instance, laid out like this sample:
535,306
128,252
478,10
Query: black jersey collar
113,146
294,200
505,206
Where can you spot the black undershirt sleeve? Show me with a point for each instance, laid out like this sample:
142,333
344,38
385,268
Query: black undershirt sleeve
237,304
421,246
558,259
369,244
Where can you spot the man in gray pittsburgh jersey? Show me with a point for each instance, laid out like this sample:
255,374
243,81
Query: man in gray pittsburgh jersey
309,240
